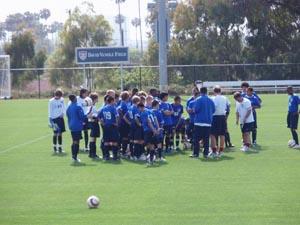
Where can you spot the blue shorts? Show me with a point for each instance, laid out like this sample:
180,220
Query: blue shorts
138,134
60,124
110,133
124,130
292,120
181,126
219,125
95,129
76,135
150,138
168,130
247,127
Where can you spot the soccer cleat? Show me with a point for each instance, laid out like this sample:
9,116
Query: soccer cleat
296,146
244,148
212,155
194,156
77,160
54,150
60,150
86,149
162,159
142,158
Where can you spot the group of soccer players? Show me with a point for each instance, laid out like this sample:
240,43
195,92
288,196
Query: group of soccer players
144,126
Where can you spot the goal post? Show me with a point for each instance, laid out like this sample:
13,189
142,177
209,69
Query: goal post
5,77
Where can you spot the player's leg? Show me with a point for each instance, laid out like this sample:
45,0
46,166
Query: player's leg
213,144
54,142
76,136
294,126
205,133
196,140
254,131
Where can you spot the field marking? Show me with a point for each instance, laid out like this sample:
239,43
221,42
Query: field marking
25,143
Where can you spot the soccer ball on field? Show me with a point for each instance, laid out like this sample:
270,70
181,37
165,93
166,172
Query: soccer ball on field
187,145
93,202
291,143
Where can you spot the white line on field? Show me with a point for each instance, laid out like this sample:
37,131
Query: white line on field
25,143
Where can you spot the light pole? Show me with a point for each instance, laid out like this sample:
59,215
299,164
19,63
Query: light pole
163,71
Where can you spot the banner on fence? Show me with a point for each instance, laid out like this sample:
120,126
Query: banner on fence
97,55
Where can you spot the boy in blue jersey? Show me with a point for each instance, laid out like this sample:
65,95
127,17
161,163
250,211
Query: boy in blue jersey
76,120
108,116
178,122
56,112
94,126
245,86
160,138
189,109
139,150
293,115
149,100
124,128
129,118
167,112
151,131
204,108
255,103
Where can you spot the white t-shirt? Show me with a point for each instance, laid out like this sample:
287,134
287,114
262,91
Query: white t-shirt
56,108
242,108
83,103
221,103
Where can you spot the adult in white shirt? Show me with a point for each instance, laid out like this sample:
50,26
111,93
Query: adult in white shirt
244,117
219,125
56,112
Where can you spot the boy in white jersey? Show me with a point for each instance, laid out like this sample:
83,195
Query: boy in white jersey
56,112
219,126
85,103
244,117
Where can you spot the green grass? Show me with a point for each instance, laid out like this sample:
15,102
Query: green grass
39,188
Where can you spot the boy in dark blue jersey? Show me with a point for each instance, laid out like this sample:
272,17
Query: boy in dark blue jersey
109,117
167,112
139,134
160,138
124,128
189,109
129,118
151,131
255,103
245,86
293,115
76,120
178,122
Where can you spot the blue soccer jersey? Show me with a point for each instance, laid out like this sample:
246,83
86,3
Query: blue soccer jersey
191,107
122,110
147,117
76,117
178,110
294,101
108,114
165,106
131,114
159,117
254,101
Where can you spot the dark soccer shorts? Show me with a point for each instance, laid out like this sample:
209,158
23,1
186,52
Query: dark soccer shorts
181,126
168,130
76,135
110,133
219,125
60,123
247,127
95,129
138,134
124,130
292,120
86,124
150,138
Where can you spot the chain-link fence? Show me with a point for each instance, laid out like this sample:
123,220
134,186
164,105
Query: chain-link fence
28,83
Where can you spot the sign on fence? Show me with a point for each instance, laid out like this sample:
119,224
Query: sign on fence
102,55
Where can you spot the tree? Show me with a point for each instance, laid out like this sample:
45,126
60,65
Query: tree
82,29
21,51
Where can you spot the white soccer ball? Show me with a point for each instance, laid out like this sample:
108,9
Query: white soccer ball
187,145
93,202
88,101
291,143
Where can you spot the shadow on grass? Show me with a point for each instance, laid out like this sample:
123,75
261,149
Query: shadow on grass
218,159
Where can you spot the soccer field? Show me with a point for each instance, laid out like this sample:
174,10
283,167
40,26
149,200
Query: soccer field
37,187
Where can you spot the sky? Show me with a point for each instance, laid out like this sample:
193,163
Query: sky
59,9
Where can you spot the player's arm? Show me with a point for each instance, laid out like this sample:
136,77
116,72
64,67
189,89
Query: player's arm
50,109
237,116
151,126
126,119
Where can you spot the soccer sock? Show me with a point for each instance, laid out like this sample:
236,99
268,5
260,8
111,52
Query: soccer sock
59,139
75,150
136,150
167,142
151,154
115,152
131,146
227,138
295,137
92,149
214,150
124,146
86,138
254,134
54,140
177,140
159,150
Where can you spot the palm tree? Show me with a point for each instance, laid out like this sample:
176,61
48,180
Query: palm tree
120,21
136,22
